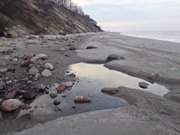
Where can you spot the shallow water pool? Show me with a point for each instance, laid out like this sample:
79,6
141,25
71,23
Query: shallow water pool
92,78
96,76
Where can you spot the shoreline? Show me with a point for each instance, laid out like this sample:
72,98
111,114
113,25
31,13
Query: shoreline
146,36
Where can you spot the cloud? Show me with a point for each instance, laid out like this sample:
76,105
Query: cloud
158,25
119,15
126,2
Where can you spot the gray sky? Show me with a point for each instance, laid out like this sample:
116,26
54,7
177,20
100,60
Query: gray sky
134,15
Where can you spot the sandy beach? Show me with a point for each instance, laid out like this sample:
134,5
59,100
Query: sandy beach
152,60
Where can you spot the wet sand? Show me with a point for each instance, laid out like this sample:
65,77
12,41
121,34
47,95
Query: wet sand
152,60
147,114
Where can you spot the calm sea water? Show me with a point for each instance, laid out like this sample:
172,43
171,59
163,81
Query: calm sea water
161,35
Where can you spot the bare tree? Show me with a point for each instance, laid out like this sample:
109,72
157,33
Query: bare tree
70,5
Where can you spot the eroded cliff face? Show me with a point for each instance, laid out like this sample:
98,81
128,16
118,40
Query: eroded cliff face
19,17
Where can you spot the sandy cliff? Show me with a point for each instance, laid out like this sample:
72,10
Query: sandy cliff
19,17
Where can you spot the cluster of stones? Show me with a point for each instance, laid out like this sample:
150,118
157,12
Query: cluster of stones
12,94
15,93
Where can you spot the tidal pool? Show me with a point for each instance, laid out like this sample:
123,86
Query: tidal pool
94,77
91,79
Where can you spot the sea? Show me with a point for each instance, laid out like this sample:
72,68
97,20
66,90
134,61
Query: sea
173,36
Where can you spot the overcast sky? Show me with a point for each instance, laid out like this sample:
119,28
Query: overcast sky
134,15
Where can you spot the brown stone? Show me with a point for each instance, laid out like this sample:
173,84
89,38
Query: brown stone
10,105
82,100
60,88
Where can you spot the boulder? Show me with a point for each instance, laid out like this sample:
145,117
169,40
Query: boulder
10,105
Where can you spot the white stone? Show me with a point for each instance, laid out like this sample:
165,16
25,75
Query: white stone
49,66
46,73
3,70
68,84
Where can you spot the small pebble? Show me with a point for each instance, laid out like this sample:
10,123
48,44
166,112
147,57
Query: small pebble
53,95
56,102
46,73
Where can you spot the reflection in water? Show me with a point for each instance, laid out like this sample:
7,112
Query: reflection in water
96,75
92,78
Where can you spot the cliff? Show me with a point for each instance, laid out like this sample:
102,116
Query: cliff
19,17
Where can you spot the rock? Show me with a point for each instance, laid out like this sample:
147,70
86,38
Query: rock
29,95
26,63
36,77
61,88
3,70
73,107
91,47
53,94
68,73
9,82
8,35
7,57
29,82
11,94
114,57
64,96
56,102
7,51
2,34
72,48
81,100
46,73
2,85
57,109
66,55
12,70
49,66
68,84
41,88
33,71
109,91
39,57
10,105
14,59
143,85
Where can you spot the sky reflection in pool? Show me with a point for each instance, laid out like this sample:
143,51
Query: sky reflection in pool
97,77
